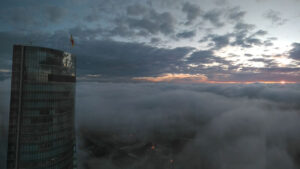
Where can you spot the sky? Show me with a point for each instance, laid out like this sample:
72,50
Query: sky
184,41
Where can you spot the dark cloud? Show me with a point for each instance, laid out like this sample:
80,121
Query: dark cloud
155,40
275,17
235,14
206,56
136,9
244,38
31,17
258,60
240,41
192,12
87,34
241,35
143,21
122,29
268,43
158,23
274,73
55,13
281,70
221,2
260,33
20,18
108,60
253,41
92,18
220,41
243,27
213,16
106,57
186,34
150,21
162,122
267,62
121,59
97,12
272,38
295,52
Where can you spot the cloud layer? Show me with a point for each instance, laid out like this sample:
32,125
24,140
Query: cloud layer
188,126
127,125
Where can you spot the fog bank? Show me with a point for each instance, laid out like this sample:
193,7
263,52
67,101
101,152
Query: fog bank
188,126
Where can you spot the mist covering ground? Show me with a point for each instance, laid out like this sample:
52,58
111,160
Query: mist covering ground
160,126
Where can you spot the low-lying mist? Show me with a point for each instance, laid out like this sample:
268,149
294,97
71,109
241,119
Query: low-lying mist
161,126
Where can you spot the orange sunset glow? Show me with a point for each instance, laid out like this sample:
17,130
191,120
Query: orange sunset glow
200,78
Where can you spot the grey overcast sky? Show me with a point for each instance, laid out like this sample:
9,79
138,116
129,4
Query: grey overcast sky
190,41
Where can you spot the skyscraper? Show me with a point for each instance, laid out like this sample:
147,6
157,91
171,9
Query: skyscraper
41,120
3,143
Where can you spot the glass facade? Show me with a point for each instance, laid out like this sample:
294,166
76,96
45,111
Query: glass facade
3,144
41,122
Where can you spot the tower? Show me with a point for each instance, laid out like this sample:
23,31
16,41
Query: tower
41,119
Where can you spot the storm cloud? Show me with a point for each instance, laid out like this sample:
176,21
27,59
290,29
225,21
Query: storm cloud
188,126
